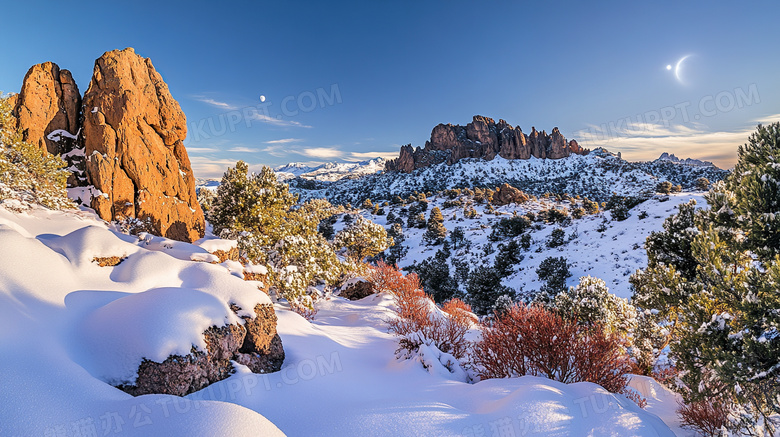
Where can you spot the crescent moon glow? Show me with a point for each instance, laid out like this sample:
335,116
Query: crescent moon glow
677,67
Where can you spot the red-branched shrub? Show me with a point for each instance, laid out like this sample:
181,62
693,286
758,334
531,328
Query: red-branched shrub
707,416
460,311
417,319
535,341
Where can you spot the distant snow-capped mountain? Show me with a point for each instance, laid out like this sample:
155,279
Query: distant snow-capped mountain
331,171
292,170
687,161
326,173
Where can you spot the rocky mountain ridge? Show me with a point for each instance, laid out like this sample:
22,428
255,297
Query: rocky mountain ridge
483,138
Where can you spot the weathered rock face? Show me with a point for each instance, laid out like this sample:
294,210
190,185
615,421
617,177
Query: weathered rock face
507,194
405,161
537,143
133,137
48,102
483,138
256,345
513,143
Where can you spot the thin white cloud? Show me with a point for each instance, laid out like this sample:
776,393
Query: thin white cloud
202,150
216,103
321,152
284,141
277,151
277,121
209,167
244,150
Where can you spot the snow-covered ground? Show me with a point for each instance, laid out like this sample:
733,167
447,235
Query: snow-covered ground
68,327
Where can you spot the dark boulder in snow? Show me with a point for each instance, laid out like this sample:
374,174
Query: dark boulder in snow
356,289
256,345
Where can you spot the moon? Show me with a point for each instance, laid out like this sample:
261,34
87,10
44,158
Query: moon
678,67
262,99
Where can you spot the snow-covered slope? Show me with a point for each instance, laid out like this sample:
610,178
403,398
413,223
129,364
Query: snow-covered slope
68,327
341,380
596,245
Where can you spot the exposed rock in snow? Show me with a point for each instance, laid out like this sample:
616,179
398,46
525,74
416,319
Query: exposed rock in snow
356,289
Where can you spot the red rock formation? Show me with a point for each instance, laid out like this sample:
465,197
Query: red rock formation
49,101
133,135
537,142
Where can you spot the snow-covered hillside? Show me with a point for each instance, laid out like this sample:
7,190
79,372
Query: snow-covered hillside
69,327
597,175
595,245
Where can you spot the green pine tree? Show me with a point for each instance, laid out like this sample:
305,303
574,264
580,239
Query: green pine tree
484,289
435,232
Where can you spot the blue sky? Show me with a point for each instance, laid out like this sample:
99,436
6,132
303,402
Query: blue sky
359,79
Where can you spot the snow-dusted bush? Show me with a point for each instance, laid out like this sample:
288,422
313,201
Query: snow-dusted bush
206,200
484,289
509,227
435,278
590,302
27,173
362,238
553,271
557,238
508,256
273,229
664,187
435,232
